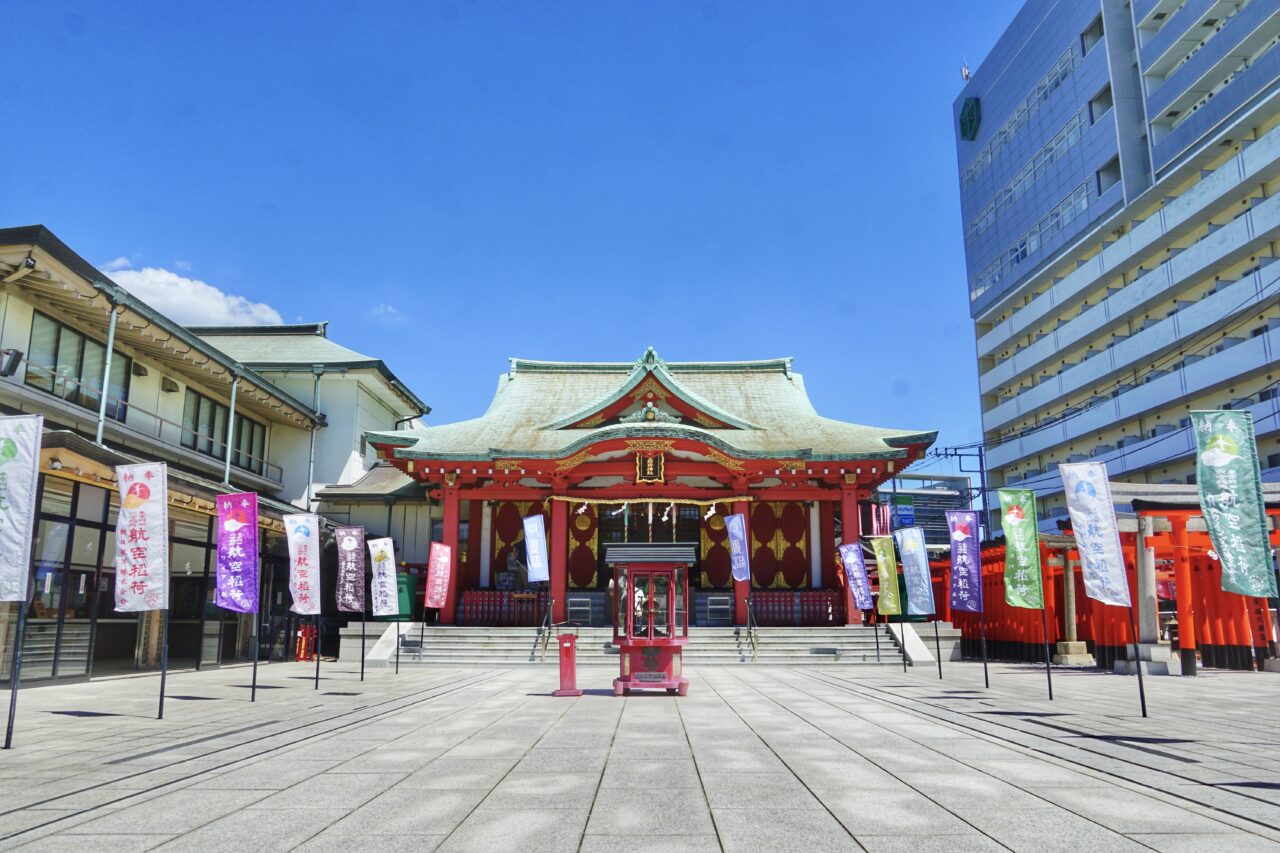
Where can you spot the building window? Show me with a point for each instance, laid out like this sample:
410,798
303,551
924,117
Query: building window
65,363
204,430
1092,35
1109,175
1101,104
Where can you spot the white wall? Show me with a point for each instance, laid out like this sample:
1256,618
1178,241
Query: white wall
410,525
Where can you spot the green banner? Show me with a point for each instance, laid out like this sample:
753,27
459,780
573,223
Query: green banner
1022,583
889,602
1230,486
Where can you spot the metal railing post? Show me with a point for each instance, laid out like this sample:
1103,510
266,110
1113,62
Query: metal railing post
231,428
106,371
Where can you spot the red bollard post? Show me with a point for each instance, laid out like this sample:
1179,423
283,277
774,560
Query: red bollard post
568,666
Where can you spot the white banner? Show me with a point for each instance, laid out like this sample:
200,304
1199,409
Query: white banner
19,472
142,538
386,598
535,548
915,570
303,534
1093,519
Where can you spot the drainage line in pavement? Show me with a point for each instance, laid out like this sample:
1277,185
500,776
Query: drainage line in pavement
172,747
235,760
840,684
831,737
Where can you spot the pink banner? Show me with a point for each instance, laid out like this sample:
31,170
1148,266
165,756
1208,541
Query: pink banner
439,567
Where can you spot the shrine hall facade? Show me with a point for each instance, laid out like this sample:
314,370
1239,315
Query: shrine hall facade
651,451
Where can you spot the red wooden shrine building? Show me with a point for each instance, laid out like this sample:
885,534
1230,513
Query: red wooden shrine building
654,451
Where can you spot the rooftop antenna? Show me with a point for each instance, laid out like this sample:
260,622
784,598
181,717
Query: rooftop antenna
964,71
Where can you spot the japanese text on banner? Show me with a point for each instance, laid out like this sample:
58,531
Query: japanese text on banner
966,561
142,538
237,567
19,472
1093,520
915,570
350,591
386,601
303,534
855,572
1022,582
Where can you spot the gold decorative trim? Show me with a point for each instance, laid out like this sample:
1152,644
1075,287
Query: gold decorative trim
593,421
450,479
851,479
706,420
727,461
792,465
650,386
508,464
573,461
650,445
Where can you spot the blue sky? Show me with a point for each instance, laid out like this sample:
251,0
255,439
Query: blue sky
453,183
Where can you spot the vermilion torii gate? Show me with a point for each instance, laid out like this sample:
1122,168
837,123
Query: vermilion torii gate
629,451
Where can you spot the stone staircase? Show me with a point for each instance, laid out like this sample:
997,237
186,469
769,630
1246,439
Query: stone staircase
463,646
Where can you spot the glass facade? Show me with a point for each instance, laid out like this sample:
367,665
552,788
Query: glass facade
72,628
65,363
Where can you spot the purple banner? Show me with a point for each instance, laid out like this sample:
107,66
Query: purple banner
237,572
855,572
350,568
736,524
966,561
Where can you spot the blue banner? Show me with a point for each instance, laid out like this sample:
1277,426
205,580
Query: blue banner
855,572
535,547
736,524
966,561
915,570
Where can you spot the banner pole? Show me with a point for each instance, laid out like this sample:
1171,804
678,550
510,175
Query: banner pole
986,677
362,644
316,651
876,632
1137,661
257,642
904,649
16,673
1048,673
164,660
397,645
937,645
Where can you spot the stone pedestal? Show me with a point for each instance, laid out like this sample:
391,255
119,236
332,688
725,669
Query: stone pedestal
1073,653
1154,658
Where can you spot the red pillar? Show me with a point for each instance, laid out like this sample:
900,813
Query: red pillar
559,556
827,543
741,589
452,512
850,533
1183,593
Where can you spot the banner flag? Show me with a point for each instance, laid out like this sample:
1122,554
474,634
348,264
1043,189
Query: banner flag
350,592
915,570
439,567
1230,486
740,563
535,548
142,538
303,533
237,567
890,602
1022,582
386,598
19,472
966,560
1093,520
855,571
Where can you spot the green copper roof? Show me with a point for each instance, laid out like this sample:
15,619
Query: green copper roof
535,400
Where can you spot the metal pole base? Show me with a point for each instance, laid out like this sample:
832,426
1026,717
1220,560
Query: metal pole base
1188,661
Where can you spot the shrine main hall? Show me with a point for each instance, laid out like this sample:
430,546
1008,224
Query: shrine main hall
653,451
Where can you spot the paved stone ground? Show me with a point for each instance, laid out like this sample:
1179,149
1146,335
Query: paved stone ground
765,758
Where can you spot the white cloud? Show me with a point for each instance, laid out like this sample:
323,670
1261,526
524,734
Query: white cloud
386,313
185,266
190,301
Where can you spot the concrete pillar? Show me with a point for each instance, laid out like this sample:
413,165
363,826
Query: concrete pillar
815,550
486,542
1070,652
1148,616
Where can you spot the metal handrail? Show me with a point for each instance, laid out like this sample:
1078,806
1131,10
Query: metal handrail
61,382
753,630
544,629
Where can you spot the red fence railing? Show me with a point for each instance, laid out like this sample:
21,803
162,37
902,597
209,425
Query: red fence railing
501,608
804,608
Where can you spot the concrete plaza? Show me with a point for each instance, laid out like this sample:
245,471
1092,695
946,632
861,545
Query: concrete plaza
755,758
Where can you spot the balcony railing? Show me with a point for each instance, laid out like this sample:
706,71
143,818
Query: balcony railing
88,396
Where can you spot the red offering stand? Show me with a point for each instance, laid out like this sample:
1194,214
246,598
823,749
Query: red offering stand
651,615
